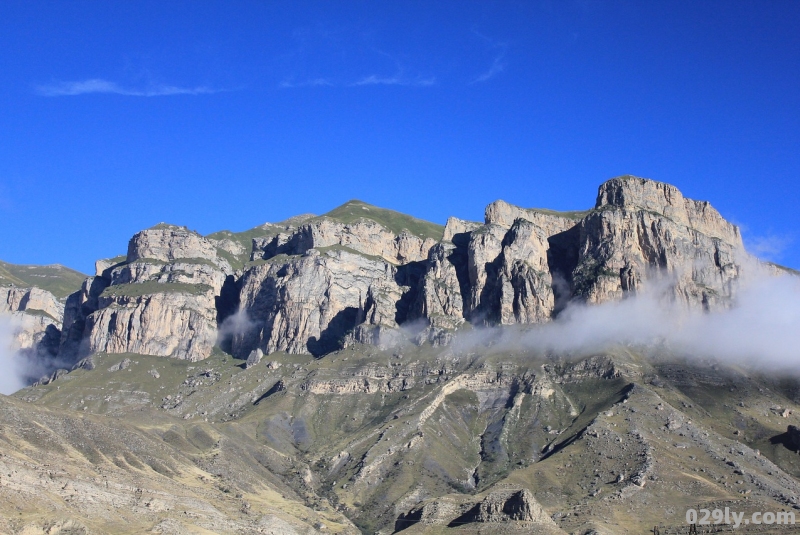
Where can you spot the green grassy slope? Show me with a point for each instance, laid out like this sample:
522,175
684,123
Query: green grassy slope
55,278
394,221
245,238
330,434
576,215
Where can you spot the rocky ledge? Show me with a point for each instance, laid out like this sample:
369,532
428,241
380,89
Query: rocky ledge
364,274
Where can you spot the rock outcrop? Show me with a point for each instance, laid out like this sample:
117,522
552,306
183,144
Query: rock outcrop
160,300
31,300
36,316
168,243
503,214
643,231
514,505
505,506
363,235
440,299
306,304
358,274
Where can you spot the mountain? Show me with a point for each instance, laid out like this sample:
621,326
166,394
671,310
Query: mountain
363,371
59,280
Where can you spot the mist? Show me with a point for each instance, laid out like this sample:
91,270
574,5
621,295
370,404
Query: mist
12,363
762,327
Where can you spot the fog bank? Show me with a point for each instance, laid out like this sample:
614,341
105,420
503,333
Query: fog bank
12,363
762,327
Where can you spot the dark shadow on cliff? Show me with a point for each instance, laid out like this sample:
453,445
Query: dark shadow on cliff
332,338
459,258
76,310
408,275
226,303
562,257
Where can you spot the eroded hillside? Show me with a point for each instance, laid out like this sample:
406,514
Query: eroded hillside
419,440
312,376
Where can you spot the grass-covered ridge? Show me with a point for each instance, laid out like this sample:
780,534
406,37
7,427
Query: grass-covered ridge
55,278
152,287
170,226
575,215
396,222
245,239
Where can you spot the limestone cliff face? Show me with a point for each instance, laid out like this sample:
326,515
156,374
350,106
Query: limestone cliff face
178,271
161,300
456,227
168,243
510,274
363,235
36,317
314,284
305,304
524,265
644,231
503,214
31,300
640,194
77,309
440,289
526,292
483,259
168,323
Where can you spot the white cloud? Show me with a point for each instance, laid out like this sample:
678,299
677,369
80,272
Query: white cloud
498,62
316,82
374,79
371,80
498,66
98,85
762,328
11,362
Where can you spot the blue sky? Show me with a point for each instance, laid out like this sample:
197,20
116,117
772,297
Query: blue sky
115,116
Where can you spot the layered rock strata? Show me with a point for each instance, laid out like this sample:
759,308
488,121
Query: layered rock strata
315,284
643,231
160,300
363,235
36,318
306,304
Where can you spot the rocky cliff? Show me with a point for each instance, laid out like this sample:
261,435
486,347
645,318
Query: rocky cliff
36,317
332,426
160,299
643,230
364,274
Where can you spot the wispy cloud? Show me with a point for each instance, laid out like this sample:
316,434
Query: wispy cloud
316,82
498,66
10,378
98,85
498,48
761,329
374,79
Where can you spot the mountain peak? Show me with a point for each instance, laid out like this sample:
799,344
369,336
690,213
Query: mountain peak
394,221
